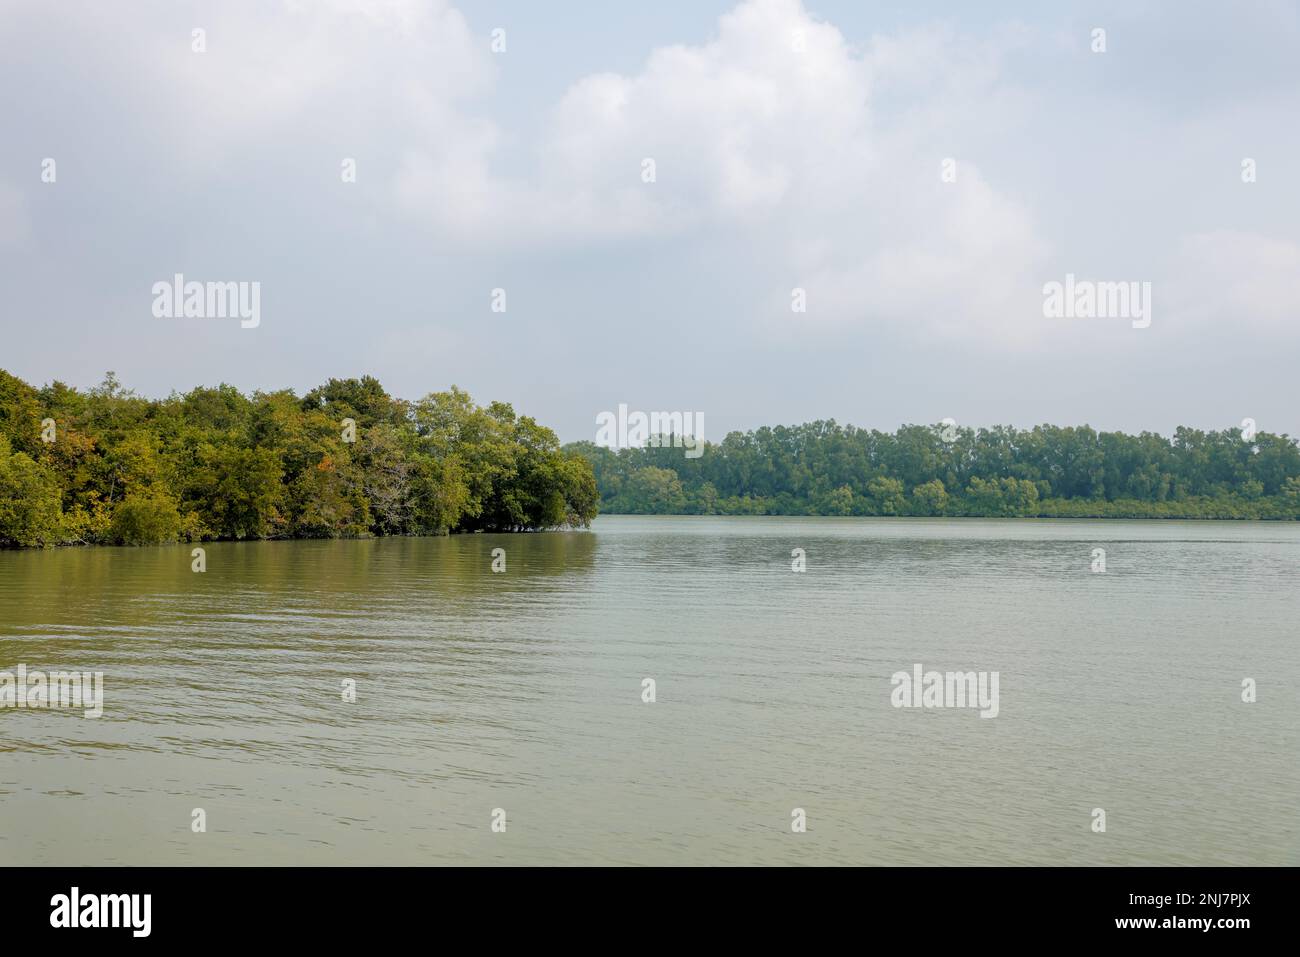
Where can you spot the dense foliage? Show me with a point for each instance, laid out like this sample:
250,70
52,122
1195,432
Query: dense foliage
214,463
822,468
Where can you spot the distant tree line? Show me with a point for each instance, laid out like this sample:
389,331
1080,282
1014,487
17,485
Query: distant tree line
107,466
822,468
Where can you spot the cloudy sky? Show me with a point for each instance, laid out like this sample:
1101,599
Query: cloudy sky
794,146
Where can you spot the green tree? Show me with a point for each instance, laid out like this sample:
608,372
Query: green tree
838,501
930,498
146,518
655,491
29,500
886,495
238,491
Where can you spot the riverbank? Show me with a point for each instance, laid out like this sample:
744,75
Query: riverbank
1195,509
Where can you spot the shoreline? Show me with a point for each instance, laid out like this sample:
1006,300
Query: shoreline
653,515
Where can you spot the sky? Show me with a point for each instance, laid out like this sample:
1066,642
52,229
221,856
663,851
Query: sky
912,174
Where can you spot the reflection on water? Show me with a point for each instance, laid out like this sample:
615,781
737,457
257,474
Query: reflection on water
522,690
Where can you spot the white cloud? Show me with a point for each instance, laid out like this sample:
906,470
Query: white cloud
788,147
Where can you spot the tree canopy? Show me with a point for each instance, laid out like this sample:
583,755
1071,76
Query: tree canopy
822,468
105,465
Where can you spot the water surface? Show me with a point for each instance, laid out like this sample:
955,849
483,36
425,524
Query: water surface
523,691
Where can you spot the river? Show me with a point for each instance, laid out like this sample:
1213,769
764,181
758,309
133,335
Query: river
519,696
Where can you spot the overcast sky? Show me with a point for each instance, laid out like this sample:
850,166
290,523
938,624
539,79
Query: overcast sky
794,146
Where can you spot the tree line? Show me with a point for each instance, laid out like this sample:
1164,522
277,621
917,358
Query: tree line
822,468
106,466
